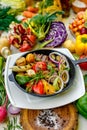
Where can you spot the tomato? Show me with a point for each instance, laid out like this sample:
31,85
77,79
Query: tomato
41,65
83,65
25,47
38,87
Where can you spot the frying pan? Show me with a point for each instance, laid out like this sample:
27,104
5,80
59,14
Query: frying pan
72,71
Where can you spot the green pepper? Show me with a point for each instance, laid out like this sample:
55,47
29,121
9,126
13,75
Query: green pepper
82,105
22,79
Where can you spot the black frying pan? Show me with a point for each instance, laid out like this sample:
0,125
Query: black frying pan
72,71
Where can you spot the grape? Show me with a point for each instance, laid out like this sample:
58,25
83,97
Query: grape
83,30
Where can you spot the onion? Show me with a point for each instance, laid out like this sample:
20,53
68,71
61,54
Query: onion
65,76
53,55
58,84
13,110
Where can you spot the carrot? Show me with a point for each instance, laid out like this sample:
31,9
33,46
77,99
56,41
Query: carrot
32,9
28,14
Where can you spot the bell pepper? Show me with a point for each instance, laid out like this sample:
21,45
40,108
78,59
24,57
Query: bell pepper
48,88
82,105
81,44
22,79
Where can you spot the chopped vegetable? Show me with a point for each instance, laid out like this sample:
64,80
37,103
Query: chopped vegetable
22,38
25,47
38,87
21,68
30,58
21,61
58,33
22,79
40,24
58,83
48,88
41,65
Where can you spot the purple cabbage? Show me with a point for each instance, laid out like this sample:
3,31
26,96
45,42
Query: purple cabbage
58,33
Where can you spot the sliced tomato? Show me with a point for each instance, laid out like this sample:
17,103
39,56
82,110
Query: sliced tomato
25,47
39,66
83,65
38,88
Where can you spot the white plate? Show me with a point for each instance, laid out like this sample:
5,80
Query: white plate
20,99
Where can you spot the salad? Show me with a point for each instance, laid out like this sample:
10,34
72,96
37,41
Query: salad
42,74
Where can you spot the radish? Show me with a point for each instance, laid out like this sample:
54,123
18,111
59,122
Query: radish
3,111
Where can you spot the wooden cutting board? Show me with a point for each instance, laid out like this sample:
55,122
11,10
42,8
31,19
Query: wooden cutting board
62,118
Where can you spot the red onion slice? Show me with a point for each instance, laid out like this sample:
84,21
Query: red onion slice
65,76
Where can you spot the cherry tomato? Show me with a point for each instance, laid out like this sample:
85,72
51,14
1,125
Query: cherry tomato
38,87
41,65
25,47
83,65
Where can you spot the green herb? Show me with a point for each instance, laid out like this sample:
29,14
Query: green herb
46,3
22,79
40,24
6,18
2,88
3,11
37,77
12,124
51,69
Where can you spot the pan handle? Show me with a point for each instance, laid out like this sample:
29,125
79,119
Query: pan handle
80,61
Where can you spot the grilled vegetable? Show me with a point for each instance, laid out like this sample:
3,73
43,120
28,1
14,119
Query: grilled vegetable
21,68
22,79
